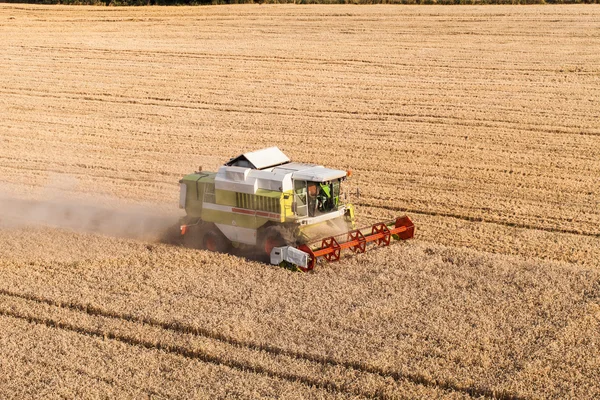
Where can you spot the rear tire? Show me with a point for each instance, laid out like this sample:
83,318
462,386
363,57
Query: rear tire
206,236
193,237
172,235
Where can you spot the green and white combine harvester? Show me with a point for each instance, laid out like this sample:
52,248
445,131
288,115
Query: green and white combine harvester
288,212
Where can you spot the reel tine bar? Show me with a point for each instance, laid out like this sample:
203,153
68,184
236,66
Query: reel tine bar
332,244
384,230
357,237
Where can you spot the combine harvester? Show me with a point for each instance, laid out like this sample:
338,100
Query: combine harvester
261,200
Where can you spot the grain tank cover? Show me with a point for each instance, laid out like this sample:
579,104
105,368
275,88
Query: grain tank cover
260,159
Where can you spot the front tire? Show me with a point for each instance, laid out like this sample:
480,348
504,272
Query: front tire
273,236
214,240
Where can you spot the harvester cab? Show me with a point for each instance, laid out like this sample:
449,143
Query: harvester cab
283,209
316,198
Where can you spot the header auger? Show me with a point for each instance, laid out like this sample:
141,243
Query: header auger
262,201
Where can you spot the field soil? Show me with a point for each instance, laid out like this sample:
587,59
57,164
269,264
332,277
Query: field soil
479,122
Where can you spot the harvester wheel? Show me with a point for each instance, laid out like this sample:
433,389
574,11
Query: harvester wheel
172,235
273,236
215,241
193,237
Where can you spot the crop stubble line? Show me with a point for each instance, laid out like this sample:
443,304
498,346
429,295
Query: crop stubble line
488,210
479,219
412,142
349,115
344,65
416,118
502,170
151,56
341,114
399,84
89,175
92,167
426,173
461,186
161,103
28,92
418,379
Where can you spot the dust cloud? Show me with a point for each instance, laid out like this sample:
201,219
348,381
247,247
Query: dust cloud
102,214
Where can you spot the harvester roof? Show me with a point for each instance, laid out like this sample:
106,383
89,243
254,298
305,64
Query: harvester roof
260,159
269,169
310,172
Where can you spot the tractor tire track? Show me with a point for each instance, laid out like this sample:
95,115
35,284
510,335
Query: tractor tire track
185,352
176,327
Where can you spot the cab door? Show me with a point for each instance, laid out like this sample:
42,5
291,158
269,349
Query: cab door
300,199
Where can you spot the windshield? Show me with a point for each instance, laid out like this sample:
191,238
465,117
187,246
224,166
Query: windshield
316,198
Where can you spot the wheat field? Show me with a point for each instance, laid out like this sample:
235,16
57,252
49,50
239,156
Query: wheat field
479,122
